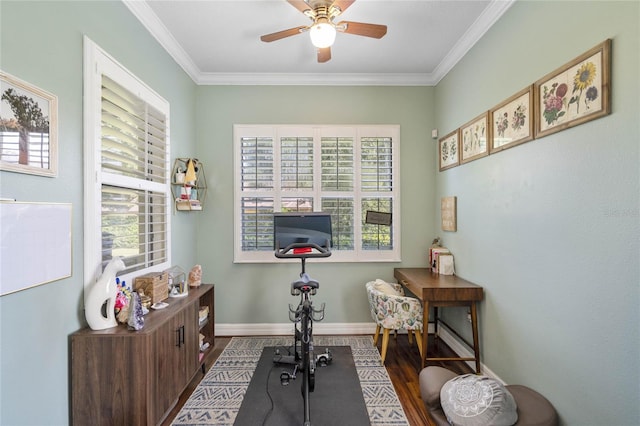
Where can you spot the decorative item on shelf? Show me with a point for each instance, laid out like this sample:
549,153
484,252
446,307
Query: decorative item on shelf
154,284
203,315
179,176
177,283
104,290
136,318
191,177
445,264
123,301
435,251
144,299
195,276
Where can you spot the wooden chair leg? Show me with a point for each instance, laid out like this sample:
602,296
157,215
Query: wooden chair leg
385,344
419,340
375,336
410,336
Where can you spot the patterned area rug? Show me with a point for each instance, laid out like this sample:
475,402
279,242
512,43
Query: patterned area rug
217,398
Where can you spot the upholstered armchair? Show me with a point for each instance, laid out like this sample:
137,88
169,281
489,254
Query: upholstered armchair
392,310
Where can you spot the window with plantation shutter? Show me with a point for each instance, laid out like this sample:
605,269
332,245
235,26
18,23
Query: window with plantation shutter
127,208
342,170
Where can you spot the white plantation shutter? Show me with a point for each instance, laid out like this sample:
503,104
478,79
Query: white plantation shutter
376,185
133,159
128,203
342,170
256,209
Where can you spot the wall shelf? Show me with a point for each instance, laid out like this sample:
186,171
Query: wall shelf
188,195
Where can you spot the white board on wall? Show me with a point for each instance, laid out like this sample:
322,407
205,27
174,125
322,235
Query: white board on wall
35,244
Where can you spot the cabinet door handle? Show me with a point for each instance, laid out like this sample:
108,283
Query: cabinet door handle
178,340
182,334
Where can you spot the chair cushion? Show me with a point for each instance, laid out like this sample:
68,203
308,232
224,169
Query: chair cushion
432,378
472,400
533,408
386,288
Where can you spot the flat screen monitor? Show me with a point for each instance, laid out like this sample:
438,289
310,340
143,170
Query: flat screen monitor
309,227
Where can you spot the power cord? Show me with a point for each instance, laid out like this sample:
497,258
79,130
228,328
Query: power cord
270,411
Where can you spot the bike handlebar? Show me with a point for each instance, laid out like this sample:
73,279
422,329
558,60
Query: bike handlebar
284,252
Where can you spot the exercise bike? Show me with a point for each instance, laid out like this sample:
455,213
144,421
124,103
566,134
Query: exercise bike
303,316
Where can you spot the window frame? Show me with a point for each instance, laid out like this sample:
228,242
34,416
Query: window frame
317,132
96,63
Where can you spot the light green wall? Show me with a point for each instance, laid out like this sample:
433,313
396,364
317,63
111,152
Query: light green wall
259,293
551,228
41,43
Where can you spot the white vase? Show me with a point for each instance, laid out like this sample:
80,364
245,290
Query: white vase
103,290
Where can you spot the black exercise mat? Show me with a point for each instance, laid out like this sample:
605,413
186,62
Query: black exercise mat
336,400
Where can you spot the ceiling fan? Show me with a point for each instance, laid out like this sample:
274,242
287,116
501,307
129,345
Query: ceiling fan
323,29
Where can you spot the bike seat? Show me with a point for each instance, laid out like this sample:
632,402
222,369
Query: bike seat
300,285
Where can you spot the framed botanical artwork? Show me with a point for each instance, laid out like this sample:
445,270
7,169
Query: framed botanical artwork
575,93
449,150
474,137
512,121
28,128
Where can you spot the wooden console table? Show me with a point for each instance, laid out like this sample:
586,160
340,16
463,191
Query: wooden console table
134,378
442,290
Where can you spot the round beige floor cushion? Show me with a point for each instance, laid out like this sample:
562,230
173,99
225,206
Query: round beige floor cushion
472,400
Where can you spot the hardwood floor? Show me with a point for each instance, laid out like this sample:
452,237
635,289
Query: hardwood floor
402,363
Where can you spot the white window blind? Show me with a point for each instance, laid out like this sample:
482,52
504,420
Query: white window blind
127,208
342,170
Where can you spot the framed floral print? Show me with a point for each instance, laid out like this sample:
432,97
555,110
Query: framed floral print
449,150
575,93
28,128
512,121
474,138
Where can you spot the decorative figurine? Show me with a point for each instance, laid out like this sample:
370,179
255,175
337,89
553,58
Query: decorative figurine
136,317
195,276
103,290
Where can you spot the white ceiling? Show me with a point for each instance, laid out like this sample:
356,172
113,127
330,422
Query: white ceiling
218,41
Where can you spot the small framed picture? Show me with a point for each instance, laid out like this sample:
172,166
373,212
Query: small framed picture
575,93
448,213
474,138
28,128
449,150
512,121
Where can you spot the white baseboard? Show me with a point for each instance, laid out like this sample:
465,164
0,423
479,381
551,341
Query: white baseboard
280,329
462,350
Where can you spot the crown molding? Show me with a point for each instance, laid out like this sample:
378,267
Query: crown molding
315,79
474,33
143,12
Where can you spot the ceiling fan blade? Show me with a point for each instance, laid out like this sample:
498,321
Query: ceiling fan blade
324,54
343,4
282,34
299,4
359,28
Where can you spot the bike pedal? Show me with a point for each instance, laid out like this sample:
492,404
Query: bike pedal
285,378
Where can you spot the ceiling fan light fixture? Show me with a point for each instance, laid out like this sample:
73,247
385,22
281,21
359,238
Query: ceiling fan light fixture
322,34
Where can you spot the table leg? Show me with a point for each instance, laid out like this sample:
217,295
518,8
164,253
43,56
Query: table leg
435,321
425,332
476,345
